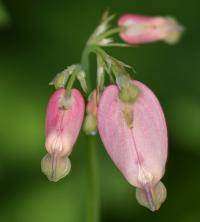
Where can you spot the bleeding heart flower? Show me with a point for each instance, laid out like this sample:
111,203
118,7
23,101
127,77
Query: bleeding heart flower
135,137
144,29
62,129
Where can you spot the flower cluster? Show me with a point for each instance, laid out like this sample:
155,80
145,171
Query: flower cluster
127,114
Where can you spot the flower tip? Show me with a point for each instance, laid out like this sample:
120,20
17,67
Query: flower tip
151,197
174,31
55,168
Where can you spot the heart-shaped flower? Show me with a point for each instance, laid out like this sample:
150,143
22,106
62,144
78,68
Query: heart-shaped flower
63,122
135,137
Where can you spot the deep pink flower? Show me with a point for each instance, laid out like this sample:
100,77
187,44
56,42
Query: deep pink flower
62,128
139,149
144,29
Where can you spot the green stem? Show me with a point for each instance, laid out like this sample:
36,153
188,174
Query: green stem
70,83
93,204
85,62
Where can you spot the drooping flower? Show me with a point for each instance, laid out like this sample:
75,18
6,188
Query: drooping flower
63,122
135,137
144,29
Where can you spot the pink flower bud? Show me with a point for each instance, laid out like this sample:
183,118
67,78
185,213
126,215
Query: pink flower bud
90,123
92,104
62,129
144,29
135,137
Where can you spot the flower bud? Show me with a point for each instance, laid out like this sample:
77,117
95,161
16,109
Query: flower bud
92,104
62,129
90,123
144,29
135,137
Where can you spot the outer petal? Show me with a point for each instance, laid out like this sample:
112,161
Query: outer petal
63,126
139,152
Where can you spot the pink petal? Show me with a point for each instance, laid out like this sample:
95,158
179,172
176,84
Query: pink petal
145,29
140,152
92,104
63,126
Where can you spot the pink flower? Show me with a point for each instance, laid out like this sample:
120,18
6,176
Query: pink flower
62,129
135,137
144,29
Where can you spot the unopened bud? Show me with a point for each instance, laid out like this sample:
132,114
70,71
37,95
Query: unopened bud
145,29
90,124
92,103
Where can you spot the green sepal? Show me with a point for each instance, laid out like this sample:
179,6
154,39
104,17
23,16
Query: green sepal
81,76
60,80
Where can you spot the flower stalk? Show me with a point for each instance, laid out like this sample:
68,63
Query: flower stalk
92,169
93,191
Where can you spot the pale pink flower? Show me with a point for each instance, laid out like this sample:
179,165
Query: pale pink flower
62,129
135,137
144,29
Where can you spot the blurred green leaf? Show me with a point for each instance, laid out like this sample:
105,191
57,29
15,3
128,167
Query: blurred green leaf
184,122
4,16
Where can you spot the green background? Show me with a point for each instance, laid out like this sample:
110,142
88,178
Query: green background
39,39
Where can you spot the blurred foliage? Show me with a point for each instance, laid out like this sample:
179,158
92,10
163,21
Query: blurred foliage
42,39
4,17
